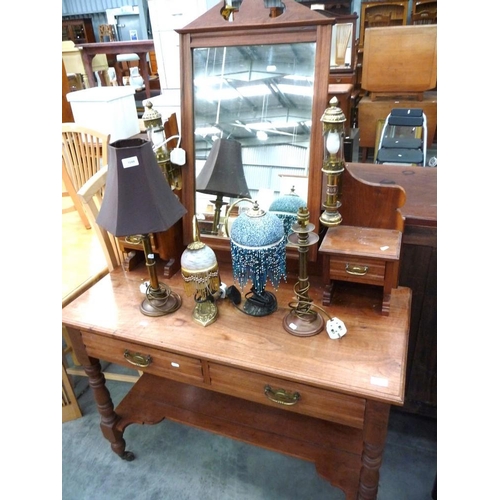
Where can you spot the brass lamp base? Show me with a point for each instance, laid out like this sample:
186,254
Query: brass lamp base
205,313
160,304
330,218
303,326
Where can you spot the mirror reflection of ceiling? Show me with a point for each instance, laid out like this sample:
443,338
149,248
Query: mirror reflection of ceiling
254,94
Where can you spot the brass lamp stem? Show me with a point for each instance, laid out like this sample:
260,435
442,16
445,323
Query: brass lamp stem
218,202
160,299
150,262
302,320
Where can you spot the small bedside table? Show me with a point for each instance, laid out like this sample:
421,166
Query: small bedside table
361,255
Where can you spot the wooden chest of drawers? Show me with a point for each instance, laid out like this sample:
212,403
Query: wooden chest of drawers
361,255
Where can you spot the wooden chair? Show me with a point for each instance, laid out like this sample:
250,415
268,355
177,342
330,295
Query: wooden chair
378,20
91,195
424,17
84,152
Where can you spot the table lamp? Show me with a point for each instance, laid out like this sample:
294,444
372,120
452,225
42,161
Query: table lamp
223,175
286,207
200,272
303,320
138,201
258,254
170,161
333,161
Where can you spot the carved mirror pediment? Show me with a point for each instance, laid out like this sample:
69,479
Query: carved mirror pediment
257,74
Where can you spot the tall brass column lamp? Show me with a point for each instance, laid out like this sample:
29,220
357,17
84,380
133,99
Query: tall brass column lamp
333,161
138,201
303,320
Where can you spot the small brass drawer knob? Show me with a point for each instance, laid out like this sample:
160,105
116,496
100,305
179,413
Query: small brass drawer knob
281,396
356,270
137,359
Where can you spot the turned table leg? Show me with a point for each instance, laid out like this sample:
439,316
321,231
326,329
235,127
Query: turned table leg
374,435
105,407
102,397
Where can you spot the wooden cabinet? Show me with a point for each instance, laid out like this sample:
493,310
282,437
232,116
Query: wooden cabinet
361,255
424,12
375,13
78,31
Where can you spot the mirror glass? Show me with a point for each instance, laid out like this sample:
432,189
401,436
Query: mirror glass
341,55
262,97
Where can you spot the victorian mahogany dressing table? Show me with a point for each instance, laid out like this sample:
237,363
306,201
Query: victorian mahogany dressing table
326,401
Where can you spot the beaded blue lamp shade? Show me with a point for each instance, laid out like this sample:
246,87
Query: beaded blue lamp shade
258,249
285,208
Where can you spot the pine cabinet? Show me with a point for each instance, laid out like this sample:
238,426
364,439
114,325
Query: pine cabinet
376,13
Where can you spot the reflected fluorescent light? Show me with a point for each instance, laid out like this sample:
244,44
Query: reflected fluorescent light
271,67
204,131
261,135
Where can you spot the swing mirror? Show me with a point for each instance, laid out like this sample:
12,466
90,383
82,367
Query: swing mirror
259,75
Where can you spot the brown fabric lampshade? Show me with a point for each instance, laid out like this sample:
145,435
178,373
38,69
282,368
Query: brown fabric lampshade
137,198
223,173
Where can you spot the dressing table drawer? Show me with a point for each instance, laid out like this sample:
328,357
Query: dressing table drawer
146,359
291,396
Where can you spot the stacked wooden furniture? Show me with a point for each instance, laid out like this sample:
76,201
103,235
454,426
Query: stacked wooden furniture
376,13
399,71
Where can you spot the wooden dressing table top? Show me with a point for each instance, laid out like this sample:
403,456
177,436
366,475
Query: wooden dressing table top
370,361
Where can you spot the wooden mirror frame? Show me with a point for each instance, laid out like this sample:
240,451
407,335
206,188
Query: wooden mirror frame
253,23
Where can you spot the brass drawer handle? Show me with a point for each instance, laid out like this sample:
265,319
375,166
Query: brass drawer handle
137,359
281,396
356,270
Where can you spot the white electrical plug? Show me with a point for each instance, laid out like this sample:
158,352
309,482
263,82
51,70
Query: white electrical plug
335,328
143,287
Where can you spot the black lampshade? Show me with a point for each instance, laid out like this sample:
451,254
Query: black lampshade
137,198
223,173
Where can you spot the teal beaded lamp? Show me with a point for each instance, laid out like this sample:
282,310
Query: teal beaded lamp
258,254
286,207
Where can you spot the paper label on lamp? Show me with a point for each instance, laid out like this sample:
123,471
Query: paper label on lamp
132,161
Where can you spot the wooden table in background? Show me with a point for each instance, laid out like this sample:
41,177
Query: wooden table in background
112,49
233,376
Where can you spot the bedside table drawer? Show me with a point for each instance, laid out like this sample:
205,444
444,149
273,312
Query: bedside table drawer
291,396
358,270
154,361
